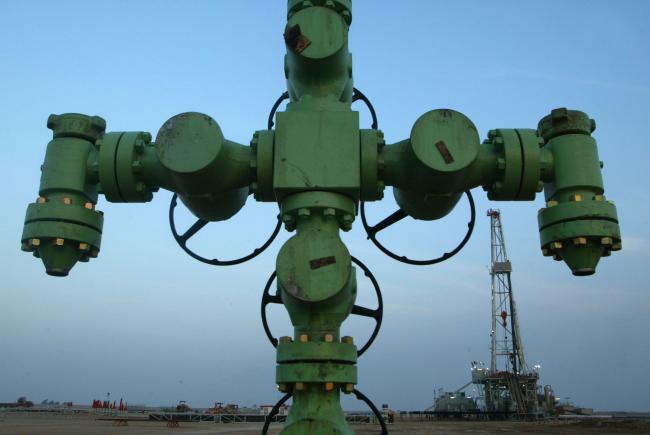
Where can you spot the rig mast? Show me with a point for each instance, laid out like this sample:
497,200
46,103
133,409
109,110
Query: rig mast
508,386
507,350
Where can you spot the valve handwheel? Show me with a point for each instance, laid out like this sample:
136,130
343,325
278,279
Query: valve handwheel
398,216
357,95
376,314
182,239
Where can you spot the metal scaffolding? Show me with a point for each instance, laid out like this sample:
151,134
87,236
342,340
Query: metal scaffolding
509,385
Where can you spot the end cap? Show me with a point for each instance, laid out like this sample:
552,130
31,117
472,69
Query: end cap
77,125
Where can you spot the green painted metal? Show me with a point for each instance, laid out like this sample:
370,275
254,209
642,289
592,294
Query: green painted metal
314,265
318,287
318,351
317,165
62,227
343,7
342,207
315,411
520,166
263,143
372,187
328,160
578,225
437,157
318,64
120,166
211,174
316,373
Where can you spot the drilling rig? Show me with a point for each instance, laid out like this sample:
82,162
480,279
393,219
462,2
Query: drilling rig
509,386
316,162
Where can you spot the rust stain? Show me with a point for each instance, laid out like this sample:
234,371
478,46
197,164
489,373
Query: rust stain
321,262
295,40
444,152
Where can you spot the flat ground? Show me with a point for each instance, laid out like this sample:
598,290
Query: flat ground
13,424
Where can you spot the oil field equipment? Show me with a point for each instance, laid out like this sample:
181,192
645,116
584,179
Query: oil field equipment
454,403
319,166
509,386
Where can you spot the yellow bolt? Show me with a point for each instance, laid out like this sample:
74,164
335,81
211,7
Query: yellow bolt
41,200
35,242
575,198
282,388
349,388
89,205
59,242
285,340
329,386
83,246
347,340
67,201
606,241
599,198
546,252
300,386
329,338
556,245
303,338
551,203
580,241
617,246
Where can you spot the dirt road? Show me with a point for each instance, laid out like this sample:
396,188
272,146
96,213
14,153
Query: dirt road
12,424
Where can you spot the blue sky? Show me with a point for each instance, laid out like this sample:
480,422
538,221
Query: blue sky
146,322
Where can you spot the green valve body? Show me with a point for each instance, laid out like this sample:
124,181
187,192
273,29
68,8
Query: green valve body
62,226
318,287
578,225
318,164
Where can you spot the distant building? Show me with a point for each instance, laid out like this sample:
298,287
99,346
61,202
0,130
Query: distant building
22,402
266,409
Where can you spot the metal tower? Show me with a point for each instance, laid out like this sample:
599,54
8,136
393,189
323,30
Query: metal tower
508,386
507,351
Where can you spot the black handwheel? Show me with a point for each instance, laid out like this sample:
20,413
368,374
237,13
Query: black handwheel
274,411
398,216
380,418
268,298
182,239
276,105
356,96
376,314
358,395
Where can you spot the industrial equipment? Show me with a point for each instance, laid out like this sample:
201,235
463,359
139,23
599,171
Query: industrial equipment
509,386
320,166
183,406
453,403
